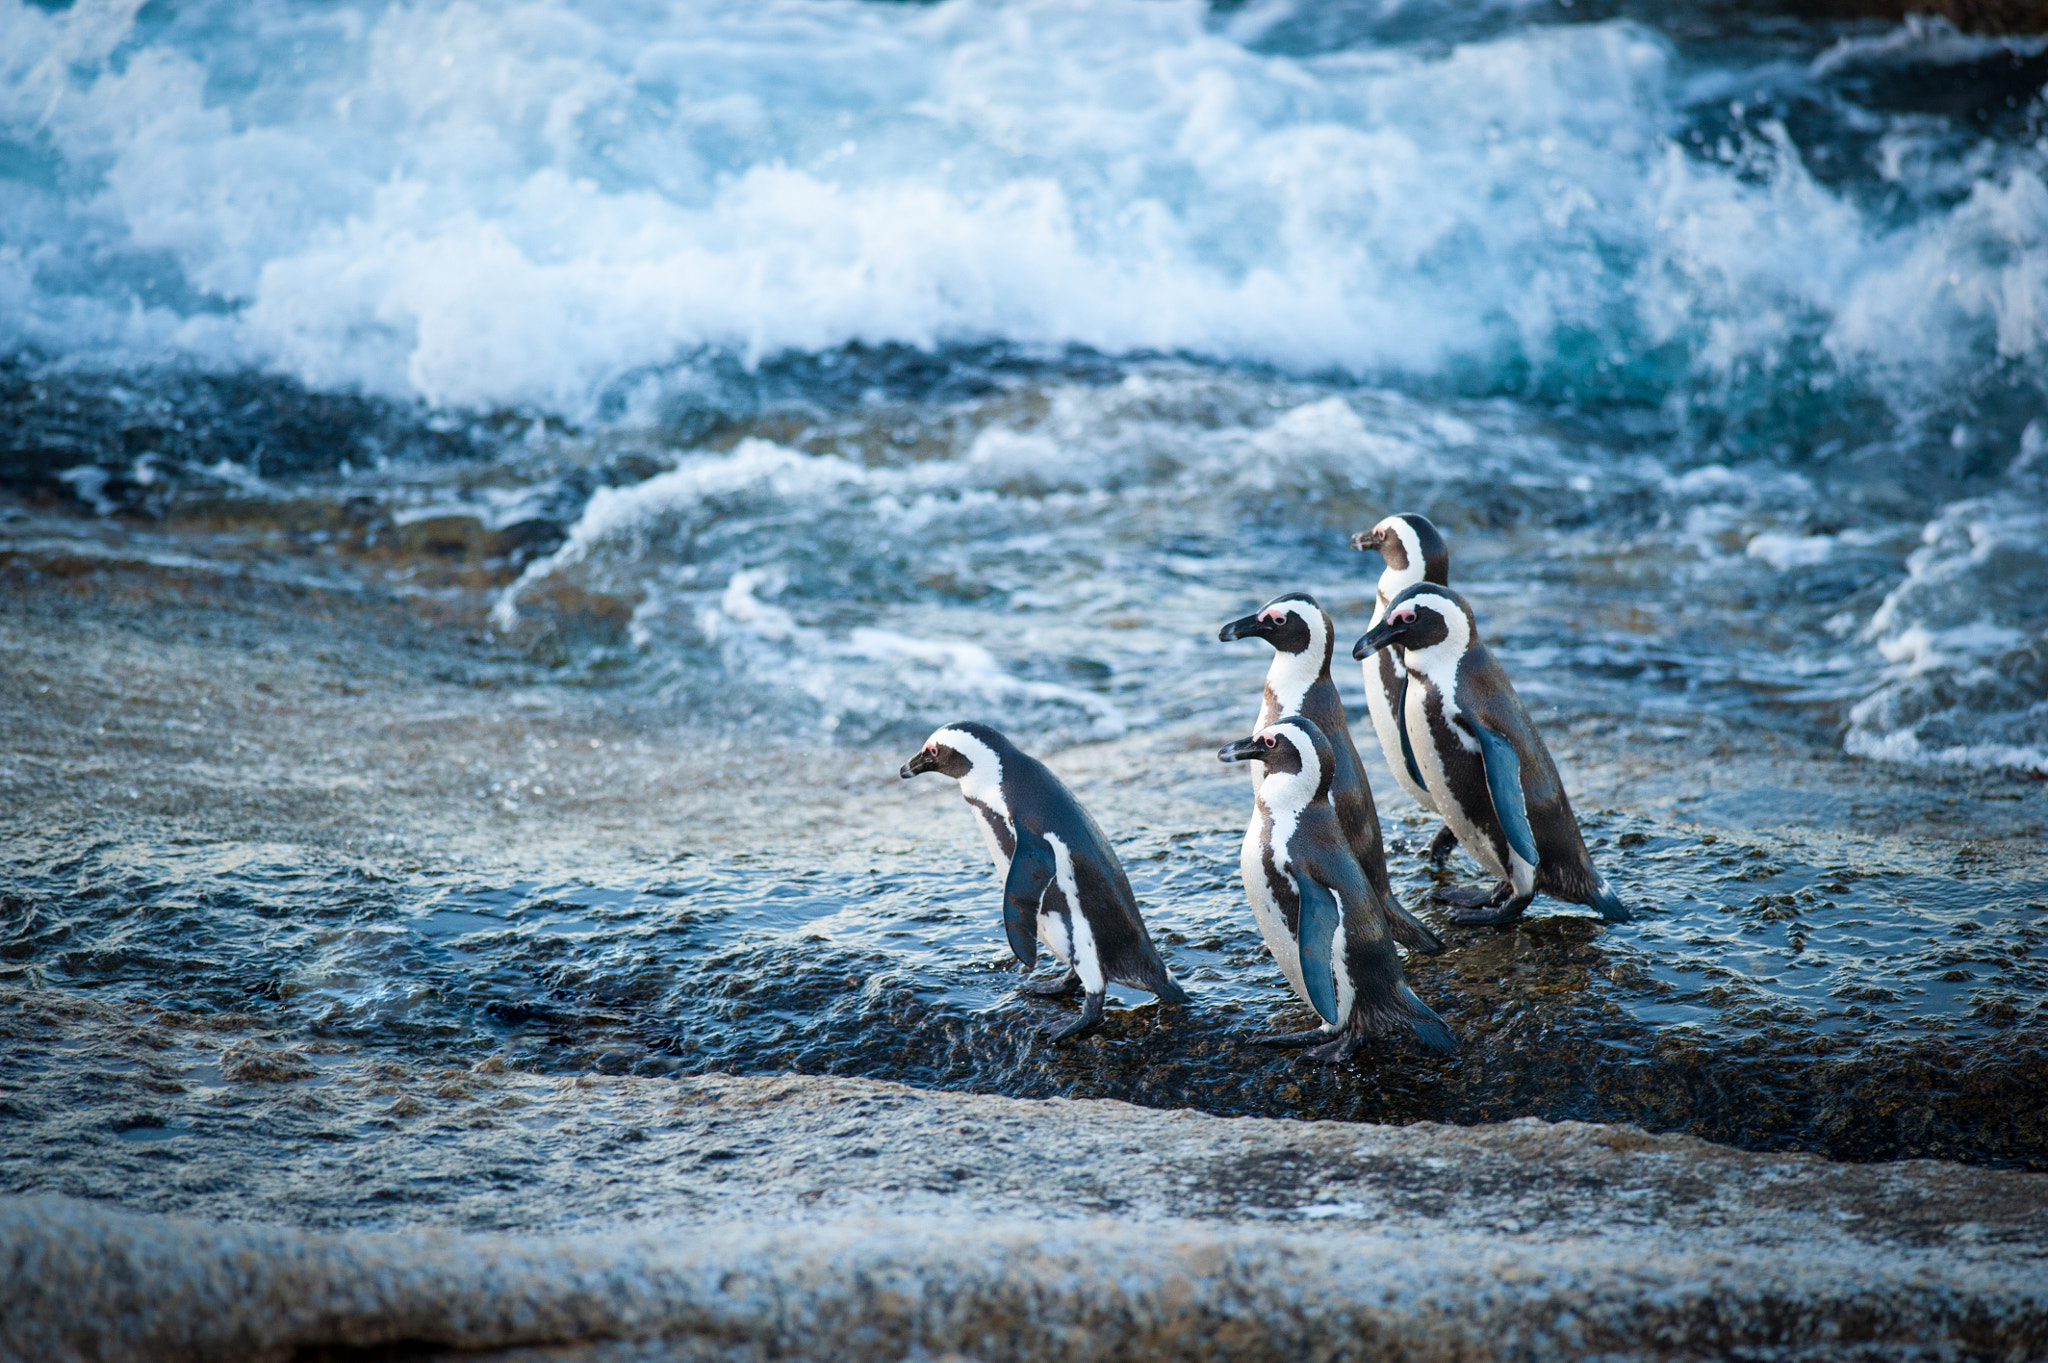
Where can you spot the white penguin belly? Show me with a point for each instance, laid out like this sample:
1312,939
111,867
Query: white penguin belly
985,820
1464,822
1079,949
1379,703
1266,912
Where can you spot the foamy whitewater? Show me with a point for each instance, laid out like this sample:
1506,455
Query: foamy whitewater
1765,318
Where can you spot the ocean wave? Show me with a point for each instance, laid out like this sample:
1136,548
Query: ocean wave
540,207
1964,640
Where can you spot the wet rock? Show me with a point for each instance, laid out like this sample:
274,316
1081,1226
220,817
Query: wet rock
826,1222
248,1063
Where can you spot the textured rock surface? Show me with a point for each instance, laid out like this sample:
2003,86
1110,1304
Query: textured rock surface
848,1219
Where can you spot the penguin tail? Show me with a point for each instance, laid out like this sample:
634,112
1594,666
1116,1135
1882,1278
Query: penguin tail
1404,1012
1609,903
1429,1029
1152,976
1410,931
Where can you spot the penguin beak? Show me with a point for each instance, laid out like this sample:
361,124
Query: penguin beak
1386,632
1368,539
1244,750
920,761
1250,627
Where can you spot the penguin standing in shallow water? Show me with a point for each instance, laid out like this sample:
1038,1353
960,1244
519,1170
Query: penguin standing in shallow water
1325,925
1062,882
1298,683
1415,553
1480,756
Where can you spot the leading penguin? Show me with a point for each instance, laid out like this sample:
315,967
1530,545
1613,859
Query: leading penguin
1320,916
1298,683
1480,756
1062,882
1414,553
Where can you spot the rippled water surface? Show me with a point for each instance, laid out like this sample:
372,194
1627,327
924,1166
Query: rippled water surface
489,500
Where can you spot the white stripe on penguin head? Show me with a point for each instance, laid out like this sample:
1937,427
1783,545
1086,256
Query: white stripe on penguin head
1439,662
1290,675
984,778
1286,794
1394,581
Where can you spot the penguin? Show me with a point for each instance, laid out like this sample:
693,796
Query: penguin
1321,918
1481,757
1414,552
1298,683
1062,882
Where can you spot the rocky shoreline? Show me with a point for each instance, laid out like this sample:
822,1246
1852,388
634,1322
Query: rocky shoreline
797,1217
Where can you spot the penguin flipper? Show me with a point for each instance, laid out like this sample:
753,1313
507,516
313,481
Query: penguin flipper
1504,781
1315,936
1031,870
1401,724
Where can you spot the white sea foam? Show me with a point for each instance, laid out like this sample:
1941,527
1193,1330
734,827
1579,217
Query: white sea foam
530,206
1965,642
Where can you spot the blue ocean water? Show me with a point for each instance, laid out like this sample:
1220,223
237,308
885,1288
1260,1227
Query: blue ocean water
1772,302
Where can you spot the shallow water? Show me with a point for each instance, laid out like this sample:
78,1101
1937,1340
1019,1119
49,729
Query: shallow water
615,440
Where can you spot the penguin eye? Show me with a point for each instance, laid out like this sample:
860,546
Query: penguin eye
1404,616
1270,741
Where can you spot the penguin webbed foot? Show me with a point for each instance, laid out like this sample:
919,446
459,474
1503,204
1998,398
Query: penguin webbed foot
1442,845
1492,915
1471,897
1051,989
1291,1041
1090,1019
1339,1049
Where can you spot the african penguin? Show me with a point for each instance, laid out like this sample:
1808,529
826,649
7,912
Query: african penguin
1298,683
1320,916
1482,759
1414,552
1063,884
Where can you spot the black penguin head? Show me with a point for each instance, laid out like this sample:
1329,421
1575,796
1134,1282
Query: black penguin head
1286,747
958,749
1293,623
1413,549
1419,619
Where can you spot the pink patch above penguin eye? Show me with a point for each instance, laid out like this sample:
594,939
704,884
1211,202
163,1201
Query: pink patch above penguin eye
1270,741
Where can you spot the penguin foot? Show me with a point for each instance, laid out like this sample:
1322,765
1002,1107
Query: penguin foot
1341,1049
1291,1041
1463,897
1486,916
1090,1019
1051,989
1442,845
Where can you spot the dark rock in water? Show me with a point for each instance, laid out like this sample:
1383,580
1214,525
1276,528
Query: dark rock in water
248,1063
121,441
848,1220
